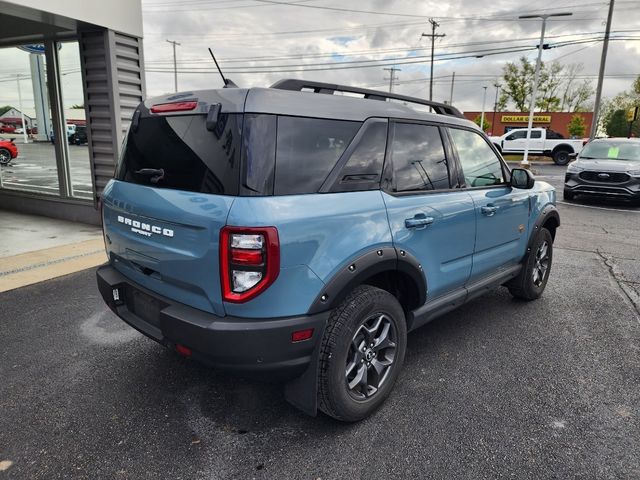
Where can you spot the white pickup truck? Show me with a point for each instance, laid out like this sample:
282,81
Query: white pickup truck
543,142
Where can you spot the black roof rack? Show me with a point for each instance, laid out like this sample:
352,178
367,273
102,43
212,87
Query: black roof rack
330,88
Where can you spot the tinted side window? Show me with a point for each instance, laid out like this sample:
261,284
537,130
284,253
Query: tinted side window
259,154
419,161
479,163
364,166
307,150
180,153
517,135
535,134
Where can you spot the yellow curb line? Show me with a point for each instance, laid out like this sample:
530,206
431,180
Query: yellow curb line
33,267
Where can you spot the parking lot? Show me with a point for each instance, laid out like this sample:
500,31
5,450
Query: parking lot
35,169
496,389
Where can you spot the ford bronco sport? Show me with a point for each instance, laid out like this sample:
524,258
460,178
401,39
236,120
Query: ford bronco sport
300,232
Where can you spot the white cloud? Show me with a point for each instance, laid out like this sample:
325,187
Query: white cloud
251,28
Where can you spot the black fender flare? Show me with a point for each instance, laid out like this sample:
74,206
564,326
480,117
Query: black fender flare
355,272
548,212
302,391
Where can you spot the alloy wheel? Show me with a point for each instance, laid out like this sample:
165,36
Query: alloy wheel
371,356
541,265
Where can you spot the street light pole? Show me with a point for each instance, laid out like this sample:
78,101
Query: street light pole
495,107
24,127
534,92
484,97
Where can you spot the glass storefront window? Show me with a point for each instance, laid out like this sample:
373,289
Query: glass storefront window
25,121
26,114
75,121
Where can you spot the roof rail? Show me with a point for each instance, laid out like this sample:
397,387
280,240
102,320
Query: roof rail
330,88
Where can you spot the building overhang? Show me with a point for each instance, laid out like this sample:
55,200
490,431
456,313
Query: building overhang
34,20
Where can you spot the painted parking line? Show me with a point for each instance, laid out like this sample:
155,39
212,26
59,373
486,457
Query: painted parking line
598,208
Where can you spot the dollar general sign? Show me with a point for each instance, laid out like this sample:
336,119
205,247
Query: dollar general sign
525,118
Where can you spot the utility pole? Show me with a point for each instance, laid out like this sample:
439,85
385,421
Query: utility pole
433,36
175,66
484,98
603,61
495,106
392,77
453,79
534,92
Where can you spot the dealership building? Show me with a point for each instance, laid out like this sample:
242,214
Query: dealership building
66,65
502,122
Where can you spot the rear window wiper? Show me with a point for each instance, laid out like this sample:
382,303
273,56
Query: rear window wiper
156,174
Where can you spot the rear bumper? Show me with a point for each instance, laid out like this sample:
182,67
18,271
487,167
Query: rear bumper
261,345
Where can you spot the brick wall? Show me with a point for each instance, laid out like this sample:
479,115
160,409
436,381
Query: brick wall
558,121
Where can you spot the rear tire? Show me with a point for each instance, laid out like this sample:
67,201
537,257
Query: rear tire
561,157
568,195
361,354
532,280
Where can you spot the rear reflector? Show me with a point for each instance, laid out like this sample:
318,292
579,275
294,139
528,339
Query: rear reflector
302,335
182,350
246,257
173,107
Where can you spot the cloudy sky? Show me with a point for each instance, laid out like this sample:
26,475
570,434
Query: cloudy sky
261,41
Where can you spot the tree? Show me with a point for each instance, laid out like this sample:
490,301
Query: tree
576,126
487,123
575,94
610,120
5,109
558,87
618,125
518,81
549,85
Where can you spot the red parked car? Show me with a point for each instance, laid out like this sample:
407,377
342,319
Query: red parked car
8,151
7,129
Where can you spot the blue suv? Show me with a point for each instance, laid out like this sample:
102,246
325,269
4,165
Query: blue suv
299,232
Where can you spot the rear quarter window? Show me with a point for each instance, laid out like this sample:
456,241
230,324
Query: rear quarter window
307,149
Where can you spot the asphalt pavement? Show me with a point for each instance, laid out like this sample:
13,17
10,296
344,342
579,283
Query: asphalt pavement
496,389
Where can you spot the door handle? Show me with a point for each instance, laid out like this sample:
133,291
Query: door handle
489,210
418,221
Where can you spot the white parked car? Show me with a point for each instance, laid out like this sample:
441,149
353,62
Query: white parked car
543,142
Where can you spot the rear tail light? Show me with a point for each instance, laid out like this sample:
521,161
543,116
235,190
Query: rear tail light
249,261
174,107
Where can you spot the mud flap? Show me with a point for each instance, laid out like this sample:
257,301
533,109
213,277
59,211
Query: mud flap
302,392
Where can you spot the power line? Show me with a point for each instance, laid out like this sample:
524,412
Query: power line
369,63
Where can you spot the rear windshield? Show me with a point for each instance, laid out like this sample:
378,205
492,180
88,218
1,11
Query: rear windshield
178,152
244,155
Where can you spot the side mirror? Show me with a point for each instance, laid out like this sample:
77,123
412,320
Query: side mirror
573,156
521,178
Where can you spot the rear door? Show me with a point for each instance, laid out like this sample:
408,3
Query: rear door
173,190
430,217
502,212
